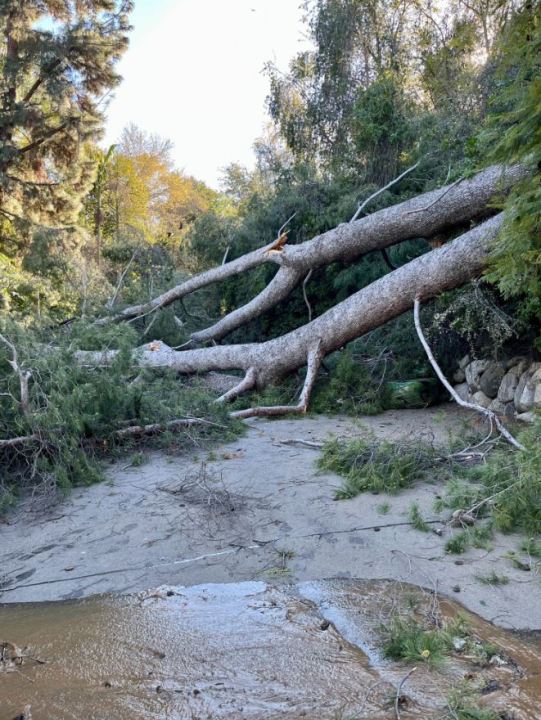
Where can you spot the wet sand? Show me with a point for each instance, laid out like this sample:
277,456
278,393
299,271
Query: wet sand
246,650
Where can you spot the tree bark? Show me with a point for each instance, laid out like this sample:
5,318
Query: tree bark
428,275
422,216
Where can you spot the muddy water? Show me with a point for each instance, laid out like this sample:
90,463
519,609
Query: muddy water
243,650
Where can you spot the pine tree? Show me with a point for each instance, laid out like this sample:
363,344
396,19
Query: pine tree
57,62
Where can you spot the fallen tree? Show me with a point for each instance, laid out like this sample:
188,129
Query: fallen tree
441,269
423,216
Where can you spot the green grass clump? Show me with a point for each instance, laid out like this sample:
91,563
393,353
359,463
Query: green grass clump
409,640
367,465
531,547
417,520
478,536
492,578
458,543
462,706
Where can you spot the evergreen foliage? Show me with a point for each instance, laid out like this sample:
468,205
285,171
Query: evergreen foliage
58,61
514,131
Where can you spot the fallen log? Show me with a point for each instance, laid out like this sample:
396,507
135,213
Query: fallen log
422,216
427,276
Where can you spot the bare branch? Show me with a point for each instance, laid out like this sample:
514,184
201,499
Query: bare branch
23,375
456,397
382,190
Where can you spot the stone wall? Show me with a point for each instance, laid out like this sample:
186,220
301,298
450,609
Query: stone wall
510,387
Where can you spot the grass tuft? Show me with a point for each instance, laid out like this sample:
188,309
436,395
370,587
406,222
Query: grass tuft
417,520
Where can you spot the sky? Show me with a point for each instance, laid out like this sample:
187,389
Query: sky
193,74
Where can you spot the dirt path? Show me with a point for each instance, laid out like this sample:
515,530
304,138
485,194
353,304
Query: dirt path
257,510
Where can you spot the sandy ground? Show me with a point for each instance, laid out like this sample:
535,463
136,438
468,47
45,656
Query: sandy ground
256,509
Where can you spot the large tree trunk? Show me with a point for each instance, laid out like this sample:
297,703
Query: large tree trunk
422,216
442,269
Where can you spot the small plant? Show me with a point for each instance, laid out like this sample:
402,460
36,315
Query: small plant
417,520
383,508
531,548
462,706
385,466
492,578
481,535
137,459
406,639
458,543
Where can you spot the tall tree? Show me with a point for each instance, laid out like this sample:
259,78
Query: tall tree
57,62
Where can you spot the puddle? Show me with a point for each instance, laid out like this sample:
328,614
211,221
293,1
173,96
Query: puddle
244,650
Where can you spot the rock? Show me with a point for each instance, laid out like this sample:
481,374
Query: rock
536,382
528,417
473,374
479,398
517,360
499,407
526,387
462,391
459,376
491,379
509,383
466,360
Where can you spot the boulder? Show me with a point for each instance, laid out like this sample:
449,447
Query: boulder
479,398
528,417
462,391
517,360
459,376
509,383
473,373
536,382
491,379
466,360
497,406
526,388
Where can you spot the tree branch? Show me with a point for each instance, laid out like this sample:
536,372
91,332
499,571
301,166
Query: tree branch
456,397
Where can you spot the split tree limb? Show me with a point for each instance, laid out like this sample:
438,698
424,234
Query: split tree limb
247,383
456,397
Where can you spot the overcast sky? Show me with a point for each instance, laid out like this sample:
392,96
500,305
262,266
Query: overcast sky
193,74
